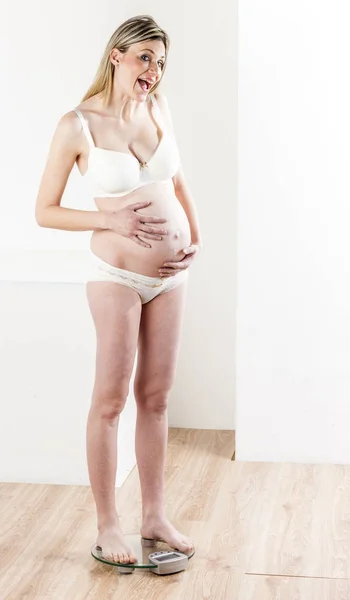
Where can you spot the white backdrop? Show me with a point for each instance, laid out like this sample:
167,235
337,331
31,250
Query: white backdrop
293,320
50,53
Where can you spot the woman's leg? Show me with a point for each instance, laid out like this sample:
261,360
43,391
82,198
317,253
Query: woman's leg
116,311
159,341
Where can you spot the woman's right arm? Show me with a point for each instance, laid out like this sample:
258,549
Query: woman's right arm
65,148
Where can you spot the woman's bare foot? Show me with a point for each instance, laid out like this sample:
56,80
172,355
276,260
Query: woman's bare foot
114,547
159,528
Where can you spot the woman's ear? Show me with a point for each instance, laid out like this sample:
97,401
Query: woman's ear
115,57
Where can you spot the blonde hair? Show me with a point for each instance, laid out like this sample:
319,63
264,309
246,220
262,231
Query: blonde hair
133,31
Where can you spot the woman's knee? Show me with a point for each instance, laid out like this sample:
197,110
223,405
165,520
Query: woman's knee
152,398
110,403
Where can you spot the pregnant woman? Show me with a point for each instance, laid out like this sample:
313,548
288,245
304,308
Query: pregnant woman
145,235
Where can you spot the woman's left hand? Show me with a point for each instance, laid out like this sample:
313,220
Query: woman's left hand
172,268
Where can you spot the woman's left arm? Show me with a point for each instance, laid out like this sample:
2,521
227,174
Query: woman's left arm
185,198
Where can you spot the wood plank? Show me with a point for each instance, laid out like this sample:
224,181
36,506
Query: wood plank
290,588
262,531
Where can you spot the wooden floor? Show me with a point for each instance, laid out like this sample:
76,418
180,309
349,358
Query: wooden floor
262,531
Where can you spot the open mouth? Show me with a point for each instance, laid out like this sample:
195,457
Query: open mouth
144,85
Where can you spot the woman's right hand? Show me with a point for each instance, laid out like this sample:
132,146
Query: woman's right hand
130,224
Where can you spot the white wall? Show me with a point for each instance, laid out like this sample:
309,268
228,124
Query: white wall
51,54
47,369
293,319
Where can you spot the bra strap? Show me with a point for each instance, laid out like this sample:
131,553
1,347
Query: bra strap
156,106
154,102
85,127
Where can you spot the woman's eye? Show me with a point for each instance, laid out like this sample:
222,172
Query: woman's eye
145,57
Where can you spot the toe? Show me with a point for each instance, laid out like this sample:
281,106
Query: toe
188,545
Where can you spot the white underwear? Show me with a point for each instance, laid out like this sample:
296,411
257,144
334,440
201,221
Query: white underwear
147,287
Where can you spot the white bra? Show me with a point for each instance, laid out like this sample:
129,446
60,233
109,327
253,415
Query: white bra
116,174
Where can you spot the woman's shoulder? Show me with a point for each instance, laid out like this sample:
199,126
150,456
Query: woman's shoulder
70,121
161,99
163,105
68,130
68,124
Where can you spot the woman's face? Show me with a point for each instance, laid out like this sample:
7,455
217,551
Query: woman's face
139,68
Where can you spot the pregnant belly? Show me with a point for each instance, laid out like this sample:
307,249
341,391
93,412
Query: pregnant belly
123,252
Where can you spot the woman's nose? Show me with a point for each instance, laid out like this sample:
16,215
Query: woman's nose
154,68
